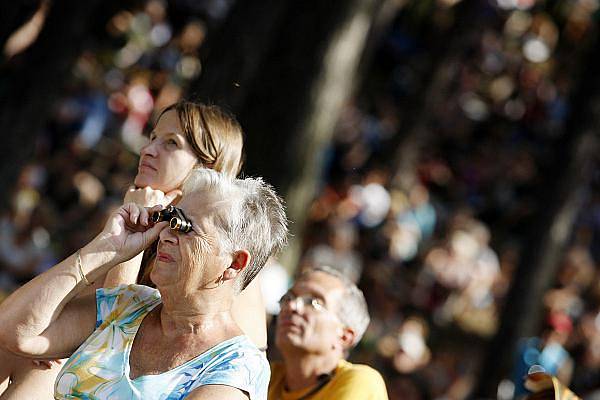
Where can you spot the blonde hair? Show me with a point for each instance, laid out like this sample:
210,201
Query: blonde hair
217,140
215,135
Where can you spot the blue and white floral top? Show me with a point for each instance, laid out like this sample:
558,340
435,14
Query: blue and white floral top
99,368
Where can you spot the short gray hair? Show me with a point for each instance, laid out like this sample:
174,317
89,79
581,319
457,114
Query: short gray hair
352,310
255,221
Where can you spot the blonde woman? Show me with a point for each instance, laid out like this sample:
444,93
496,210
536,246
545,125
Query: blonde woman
186,136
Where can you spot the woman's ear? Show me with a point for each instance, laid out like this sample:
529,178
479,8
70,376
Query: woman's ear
240,260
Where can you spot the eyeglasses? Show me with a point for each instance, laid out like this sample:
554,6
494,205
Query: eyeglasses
306,301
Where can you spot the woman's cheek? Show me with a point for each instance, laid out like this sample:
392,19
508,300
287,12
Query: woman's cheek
162,275
176,180
194,261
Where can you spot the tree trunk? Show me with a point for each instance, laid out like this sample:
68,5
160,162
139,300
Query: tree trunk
287,83
559,200
420,112
236,51
299,98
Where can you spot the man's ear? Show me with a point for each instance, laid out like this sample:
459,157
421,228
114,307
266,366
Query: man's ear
348,337
239,261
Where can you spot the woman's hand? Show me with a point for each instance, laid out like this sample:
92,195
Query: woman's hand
128,272
44,318
46,364
148,197
130,230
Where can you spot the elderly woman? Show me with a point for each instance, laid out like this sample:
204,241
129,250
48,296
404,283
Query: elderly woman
176,341
187,135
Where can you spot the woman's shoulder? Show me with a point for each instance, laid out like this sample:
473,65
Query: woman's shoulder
111,303
236,362
240,347
128,292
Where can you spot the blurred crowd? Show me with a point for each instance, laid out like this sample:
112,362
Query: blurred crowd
435,258
86,157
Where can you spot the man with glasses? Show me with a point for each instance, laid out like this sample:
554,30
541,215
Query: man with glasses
322,317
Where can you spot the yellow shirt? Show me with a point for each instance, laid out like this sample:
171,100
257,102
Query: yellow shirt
349,381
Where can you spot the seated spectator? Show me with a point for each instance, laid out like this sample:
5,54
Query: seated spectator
179,340
322,317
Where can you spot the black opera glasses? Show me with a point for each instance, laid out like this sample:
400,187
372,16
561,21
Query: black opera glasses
176,218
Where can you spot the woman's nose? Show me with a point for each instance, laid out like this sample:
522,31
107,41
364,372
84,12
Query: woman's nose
149,149
167,236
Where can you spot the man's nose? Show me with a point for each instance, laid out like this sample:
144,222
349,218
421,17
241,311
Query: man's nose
296,304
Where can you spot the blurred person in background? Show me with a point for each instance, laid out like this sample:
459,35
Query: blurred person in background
338,252
567,329
186,136
323,316
180,339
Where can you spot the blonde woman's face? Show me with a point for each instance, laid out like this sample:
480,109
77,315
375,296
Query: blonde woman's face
167,158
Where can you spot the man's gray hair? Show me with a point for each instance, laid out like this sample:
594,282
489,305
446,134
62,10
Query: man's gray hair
352,310
255,220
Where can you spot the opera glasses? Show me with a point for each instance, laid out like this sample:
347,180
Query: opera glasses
176,218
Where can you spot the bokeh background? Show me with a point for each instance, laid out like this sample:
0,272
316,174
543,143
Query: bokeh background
442,153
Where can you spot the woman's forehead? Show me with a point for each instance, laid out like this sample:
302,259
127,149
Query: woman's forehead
202,202
169,118
168,122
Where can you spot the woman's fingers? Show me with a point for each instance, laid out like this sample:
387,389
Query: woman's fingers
133,217
148,197
144,218
132,195
155,208
46,364
151,234
134,213
137,218
172,195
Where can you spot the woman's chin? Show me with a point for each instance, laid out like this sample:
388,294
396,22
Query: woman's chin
161,275
141,180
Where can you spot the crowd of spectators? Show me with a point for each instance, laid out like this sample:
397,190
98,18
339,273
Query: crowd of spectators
438,256
87,155
435,258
